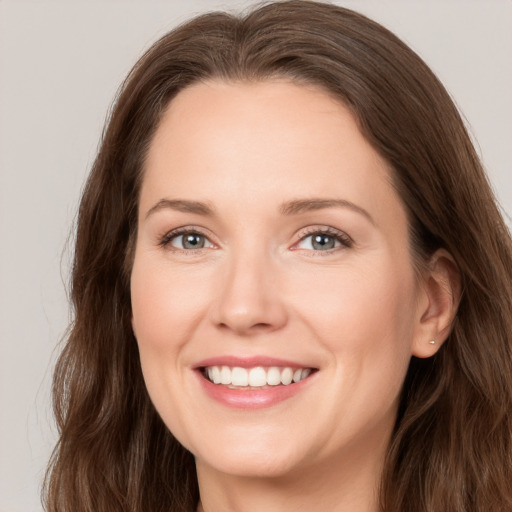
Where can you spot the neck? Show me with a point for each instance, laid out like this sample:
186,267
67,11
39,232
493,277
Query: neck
348,482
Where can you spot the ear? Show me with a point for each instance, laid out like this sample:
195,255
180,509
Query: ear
440,295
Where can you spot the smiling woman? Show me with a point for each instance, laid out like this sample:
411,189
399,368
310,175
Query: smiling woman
261,304
292,285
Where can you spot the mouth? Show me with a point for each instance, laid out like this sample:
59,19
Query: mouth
251,383
256,377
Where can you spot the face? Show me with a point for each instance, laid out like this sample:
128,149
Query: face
272,258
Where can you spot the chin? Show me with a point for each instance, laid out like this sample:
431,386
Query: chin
251,465
262,454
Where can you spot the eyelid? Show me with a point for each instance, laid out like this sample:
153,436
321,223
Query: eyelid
344,239
165,240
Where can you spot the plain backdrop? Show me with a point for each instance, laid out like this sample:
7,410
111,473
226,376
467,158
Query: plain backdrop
60,66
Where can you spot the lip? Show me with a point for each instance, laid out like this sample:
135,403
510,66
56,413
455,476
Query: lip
249,362
250,399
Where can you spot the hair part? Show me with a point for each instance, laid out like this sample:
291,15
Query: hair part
452,445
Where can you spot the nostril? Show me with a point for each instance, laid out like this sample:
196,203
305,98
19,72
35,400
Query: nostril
261,326
247,301
242,326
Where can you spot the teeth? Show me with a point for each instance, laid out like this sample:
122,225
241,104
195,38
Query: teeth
239,377
225,375
214,374
255,377
273,376
286,376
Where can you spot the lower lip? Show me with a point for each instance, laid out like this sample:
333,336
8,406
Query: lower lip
251,398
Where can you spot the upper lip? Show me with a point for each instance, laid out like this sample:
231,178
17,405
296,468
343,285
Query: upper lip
249,362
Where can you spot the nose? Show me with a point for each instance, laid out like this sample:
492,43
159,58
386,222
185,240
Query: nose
249,299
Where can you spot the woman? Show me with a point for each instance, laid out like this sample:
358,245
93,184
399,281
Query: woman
292,285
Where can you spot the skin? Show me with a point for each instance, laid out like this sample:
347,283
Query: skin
356,312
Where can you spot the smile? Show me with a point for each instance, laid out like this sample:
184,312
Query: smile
253,382
258,377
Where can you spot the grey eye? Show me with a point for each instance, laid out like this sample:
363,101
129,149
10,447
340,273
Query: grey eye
319,242
190,241
323,242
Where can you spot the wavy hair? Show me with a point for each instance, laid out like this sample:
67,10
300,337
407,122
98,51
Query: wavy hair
451,449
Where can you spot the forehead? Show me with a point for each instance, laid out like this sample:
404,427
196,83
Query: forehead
241,141
276,114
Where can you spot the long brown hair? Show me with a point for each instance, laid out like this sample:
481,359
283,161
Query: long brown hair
451,450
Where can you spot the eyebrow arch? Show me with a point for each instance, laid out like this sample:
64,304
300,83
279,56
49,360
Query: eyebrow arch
294,207
298,206
182,205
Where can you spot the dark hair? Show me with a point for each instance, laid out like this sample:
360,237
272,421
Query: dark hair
452,445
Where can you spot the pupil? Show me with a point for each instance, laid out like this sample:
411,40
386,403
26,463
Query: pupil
323,242
193,241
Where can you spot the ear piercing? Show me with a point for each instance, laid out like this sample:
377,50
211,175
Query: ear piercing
432,342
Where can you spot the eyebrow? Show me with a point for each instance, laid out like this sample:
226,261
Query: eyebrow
294,207
182,205
299,206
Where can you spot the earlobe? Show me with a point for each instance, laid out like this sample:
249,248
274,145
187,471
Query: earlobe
441,290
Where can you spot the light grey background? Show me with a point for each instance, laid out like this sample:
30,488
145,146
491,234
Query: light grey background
60,65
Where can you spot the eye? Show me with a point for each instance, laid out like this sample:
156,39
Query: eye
186,240
323,240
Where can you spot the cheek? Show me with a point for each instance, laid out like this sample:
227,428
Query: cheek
364,303
166,305
365,321
164,309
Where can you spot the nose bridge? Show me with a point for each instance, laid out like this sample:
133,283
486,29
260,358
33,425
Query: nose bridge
248,299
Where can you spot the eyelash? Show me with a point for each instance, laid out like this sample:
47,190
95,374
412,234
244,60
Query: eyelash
339,236
188,230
